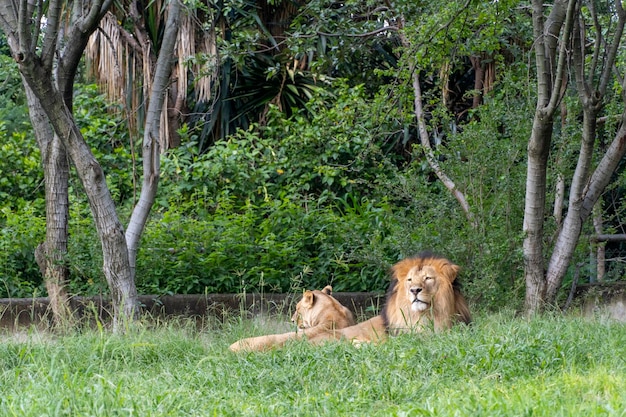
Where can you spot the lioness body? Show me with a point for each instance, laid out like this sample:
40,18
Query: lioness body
422,294
317,313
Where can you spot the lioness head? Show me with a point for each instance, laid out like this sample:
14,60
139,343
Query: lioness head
317,307
421,286
302,316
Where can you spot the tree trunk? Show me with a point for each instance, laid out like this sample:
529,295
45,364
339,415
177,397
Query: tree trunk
538,151
116,264
150,150
568,238
550,80
600,247
51,254
572,225
581,200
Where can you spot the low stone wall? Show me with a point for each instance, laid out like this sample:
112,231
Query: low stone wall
605,299
16,312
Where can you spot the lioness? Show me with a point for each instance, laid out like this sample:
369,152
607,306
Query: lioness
317,313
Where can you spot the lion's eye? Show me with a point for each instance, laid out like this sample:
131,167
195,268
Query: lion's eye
409,279
429,278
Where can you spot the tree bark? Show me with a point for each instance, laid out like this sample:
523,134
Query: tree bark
51,254
36,64
550,72
538,150
150,150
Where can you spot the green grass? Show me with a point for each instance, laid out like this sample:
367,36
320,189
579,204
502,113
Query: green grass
501,366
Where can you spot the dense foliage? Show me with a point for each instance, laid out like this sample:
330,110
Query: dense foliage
322,179
299,203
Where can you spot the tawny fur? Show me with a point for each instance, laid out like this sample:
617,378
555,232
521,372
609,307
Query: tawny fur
317,313
440,303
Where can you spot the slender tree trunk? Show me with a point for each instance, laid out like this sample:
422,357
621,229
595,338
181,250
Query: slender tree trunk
601,177
572,225
51,254
550,71
538,151
591,95
599,246
150,150
116,264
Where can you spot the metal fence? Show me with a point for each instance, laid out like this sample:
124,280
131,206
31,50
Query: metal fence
607,258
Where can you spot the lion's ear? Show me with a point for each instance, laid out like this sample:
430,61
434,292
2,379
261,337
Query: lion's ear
451,271
308,299
328,290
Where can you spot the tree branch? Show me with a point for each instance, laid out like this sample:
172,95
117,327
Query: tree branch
356,35
49,47
150,149
425,140
610,59
430,155
23,34
556,95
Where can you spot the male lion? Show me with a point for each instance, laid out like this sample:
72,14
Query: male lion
422,294
317,313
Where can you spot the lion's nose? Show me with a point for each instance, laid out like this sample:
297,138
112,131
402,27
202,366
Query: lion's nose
415,290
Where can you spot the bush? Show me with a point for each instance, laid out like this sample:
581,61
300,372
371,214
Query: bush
279,246
19,272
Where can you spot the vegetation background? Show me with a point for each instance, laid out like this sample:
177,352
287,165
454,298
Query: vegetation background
297,177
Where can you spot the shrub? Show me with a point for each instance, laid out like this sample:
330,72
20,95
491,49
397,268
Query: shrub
19,272
278,246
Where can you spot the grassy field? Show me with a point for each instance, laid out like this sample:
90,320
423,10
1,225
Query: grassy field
501,366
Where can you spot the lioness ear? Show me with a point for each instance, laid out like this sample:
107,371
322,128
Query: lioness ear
328,290
308,299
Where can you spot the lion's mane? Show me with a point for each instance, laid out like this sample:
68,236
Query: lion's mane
434,279
448,304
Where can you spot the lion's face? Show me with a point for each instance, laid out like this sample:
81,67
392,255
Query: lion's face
422,292
421,285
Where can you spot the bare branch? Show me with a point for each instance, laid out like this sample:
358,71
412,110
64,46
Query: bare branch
425,141
556,95
358,35
610,59
37,25
53,20
23,32
430,155
599,41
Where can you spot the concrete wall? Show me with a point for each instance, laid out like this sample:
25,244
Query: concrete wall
16,312
606,299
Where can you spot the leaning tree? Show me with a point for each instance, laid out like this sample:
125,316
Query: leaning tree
47,52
